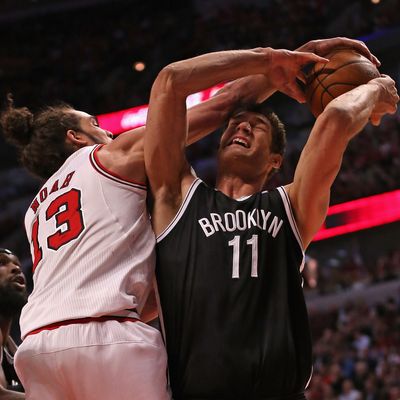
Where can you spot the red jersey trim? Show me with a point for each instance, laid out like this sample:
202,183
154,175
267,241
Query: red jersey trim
82,321
100,168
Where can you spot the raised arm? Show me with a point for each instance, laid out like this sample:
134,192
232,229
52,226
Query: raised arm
321,157
167,126
208,116
125,155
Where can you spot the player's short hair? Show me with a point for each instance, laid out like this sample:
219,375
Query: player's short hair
39,137
278,132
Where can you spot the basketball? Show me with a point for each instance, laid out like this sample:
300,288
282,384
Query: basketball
345,70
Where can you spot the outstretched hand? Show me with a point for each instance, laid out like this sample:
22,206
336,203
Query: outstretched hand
286,67
388,99
322,47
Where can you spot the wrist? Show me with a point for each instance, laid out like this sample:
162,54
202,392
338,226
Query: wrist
374,85
269,58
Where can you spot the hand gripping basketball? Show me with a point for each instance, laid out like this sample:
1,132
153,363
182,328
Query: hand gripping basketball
345,70
388,99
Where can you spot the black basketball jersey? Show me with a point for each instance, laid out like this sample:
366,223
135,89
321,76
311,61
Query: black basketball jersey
233,310
7,363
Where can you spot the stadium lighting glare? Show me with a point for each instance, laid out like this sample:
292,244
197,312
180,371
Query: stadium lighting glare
361,214
121,121
139,66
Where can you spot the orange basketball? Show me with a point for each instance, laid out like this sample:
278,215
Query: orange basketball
345,70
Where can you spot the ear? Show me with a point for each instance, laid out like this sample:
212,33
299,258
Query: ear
276,160
76,138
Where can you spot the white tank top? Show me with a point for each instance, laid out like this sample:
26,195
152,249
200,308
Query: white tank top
92,244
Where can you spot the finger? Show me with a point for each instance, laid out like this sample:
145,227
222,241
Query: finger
376,61
301,76
393,109
375,120
311,57
362,48
293,90
327,45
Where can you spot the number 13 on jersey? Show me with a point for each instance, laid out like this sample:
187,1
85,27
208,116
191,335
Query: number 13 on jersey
67,211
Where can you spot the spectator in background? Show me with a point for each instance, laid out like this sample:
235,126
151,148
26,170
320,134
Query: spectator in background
375,373
13,296
348,391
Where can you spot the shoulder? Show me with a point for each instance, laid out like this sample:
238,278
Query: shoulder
124,156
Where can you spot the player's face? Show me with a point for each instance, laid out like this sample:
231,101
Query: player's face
11,276
247,138
89,126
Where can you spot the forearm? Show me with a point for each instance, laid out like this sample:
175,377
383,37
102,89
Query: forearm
198,73
250,89
210,115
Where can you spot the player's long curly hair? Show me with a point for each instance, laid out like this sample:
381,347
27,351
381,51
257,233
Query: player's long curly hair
39,137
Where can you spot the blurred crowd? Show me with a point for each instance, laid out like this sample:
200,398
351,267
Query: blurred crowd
349,270
357,352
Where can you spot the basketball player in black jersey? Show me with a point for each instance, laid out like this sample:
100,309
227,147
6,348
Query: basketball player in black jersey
229,259
13,296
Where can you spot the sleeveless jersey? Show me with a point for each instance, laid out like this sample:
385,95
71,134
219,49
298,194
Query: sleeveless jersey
92,245
233,311
7,364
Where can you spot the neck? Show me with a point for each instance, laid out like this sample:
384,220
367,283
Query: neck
236,186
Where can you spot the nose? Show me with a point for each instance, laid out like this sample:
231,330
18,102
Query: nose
244,126
15,269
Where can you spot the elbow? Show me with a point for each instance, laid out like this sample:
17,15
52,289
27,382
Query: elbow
171,80
337,113
337,118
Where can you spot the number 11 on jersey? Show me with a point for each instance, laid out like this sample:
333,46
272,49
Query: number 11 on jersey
235,243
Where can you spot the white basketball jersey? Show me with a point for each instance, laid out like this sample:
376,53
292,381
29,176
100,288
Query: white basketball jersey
92,244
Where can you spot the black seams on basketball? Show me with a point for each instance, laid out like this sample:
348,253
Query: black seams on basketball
345,70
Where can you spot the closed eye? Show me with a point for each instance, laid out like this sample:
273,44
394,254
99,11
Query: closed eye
261,126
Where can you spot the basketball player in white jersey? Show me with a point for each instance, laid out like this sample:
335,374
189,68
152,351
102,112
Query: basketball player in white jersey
93,248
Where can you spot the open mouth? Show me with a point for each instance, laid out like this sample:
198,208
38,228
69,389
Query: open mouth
241,141
19,281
